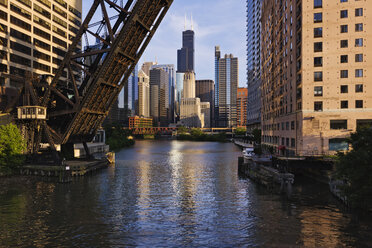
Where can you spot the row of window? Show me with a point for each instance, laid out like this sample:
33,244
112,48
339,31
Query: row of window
318,46
318,31
318,17
318,90
319,3
318,61
318,105
318,75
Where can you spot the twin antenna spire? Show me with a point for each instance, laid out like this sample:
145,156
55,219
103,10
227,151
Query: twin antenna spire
192,23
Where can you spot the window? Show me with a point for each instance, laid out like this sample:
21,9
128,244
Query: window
42,11
3,15
287,125
25,2
20,23
318,17
41,22
358,27
344,89
359,104
318,91
62,3
344,28
292,125
343,14
318,106
41,33
359,57
41,55
358,72
344,59
338,144
343,1
344,43
20,60
59,42
20,48
359,12
3,29
338,124
318,61
4,3
41,67
344,73
20,11
318,47
317,4
344,104
41,44
59,11
318,76
318,32
45,2
19,35
59,31
359,42
58,20
359,88
293,143
74,11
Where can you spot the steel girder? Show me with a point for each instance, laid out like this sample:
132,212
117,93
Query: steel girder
75,113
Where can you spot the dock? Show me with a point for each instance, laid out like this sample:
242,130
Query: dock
243,144
67,172
267,176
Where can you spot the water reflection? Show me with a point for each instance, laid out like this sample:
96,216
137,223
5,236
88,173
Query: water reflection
173,194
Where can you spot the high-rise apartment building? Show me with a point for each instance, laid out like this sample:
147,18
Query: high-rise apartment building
315,74
171,88
227,89
241,107
159,100
143,94
254,64
185,55
179,93
34,36
205,91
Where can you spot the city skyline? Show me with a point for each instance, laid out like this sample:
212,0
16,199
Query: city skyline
223,24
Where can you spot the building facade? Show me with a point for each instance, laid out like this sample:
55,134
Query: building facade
159,100
254,64
34,37
315,74
185,55
205,91
130,91
241,107
179,93
143,94
228,87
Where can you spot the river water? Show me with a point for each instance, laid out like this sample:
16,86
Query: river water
173,194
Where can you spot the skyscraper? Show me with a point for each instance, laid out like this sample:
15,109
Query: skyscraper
254,64
159,82
131,93
241,107
143,94
217,57
205,91
179,93
171,88
185,55
227,89
315,76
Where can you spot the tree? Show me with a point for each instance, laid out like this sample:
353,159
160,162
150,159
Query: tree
240,131
12,147
256,135
355,169
182,130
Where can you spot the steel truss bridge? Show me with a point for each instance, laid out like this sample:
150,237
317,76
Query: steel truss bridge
76,111
170,130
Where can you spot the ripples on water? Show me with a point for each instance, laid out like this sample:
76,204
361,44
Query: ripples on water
163,193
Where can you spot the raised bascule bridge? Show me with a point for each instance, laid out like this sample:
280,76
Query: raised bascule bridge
71,106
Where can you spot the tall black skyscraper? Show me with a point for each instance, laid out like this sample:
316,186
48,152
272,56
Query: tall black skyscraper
185,55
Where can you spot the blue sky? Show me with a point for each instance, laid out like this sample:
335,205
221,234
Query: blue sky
216,22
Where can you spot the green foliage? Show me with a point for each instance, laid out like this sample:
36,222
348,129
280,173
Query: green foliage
355,168
197,135
256,135
182,130
12,147
117,137
258,150
241,131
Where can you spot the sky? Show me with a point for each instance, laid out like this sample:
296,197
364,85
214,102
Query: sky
216,22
